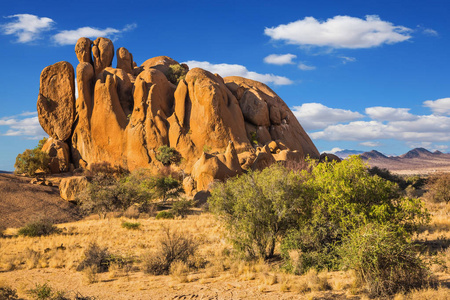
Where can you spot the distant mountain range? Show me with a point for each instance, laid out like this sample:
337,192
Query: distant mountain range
418,160
5,172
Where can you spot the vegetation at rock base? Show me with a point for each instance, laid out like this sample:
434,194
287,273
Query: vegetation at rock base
30,161
109,191
167,155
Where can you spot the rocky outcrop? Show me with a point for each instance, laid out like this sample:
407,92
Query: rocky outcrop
219,126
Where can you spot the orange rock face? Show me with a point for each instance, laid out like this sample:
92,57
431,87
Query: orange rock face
219,126
56,100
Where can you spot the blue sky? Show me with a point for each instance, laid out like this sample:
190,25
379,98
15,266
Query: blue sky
358,74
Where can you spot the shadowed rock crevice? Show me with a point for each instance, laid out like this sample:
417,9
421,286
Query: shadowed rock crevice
220,126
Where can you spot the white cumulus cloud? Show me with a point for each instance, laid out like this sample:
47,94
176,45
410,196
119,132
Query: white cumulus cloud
25,124
381,113
440,106
26,27
280,59
340,32
225,70
315,116
70,37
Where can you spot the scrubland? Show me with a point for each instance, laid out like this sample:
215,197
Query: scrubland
126,261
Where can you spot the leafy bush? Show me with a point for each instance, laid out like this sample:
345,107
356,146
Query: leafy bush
258,208
131,225
30,161
8,293
96,256
384,261
439,188
342,197
176,73
167,155
108,192
173,246
39,227
164,215
181,208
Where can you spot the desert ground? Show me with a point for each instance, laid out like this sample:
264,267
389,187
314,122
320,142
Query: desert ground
53,259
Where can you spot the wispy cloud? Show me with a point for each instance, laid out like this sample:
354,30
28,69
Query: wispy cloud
70,37
239,70
280,59
27,28
305,67
340,32
25,124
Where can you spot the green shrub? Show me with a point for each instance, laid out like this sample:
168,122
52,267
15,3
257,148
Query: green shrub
258,208
131,225
39,227
8,293
181,208
173,246
164,215
384,261
45,292
167,155
30,161
176,73
108,191
439,188
341,197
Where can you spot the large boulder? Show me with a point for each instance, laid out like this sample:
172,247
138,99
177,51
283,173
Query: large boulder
71,187
59,154
56,100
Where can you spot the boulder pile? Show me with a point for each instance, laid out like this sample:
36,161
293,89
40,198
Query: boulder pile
219,126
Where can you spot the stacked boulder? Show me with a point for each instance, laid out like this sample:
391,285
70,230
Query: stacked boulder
122,116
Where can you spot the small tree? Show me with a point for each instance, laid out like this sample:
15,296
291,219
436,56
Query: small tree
258,208
167,187
439,188
30,161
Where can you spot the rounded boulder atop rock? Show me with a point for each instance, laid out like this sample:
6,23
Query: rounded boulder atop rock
56,100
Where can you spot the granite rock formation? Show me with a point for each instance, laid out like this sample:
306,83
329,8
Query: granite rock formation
220,126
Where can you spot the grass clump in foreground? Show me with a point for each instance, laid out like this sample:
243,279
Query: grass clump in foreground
39,227
174,247
314,211
384,262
